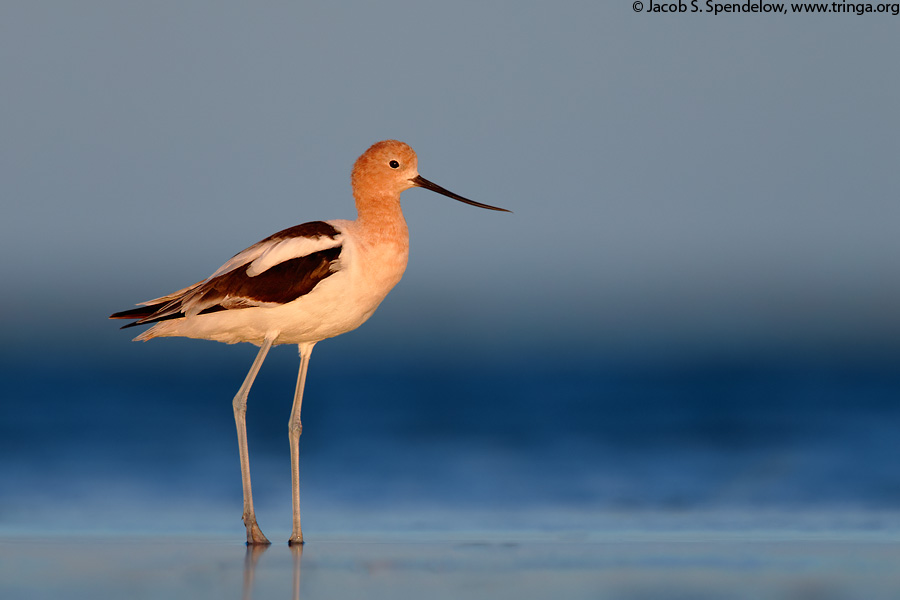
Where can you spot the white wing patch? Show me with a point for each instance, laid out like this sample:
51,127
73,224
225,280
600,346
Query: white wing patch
265,255
240,259
284,250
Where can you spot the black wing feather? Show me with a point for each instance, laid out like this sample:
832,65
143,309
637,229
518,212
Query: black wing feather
234,290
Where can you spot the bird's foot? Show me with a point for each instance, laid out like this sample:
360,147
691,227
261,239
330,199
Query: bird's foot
296,539
254,533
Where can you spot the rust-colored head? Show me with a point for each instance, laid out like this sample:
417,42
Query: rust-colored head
385,169
390,167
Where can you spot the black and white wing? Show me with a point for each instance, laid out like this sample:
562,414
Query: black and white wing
274,271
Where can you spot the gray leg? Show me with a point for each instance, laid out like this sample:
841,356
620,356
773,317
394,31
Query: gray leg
294,430
254,535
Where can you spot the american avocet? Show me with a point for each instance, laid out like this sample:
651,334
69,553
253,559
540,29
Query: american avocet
300,286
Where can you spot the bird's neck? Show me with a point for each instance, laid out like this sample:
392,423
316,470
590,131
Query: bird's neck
382,219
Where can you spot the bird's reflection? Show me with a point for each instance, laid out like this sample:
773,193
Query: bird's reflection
251,558
297,552
254,551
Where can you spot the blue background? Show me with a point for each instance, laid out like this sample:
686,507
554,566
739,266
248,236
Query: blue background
693,306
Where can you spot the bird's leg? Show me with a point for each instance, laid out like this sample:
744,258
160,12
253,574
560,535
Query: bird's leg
294,430
254,535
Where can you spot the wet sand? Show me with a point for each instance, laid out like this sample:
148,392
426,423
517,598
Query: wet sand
634,564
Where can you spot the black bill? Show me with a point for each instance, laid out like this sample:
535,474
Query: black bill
424,183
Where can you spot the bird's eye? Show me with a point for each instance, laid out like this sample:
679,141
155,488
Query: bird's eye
394,164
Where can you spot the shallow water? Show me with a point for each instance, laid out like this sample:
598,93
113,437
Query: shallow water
646,562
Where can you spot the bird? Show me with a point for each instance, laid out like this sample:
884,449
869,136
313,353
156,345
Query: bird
300,286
